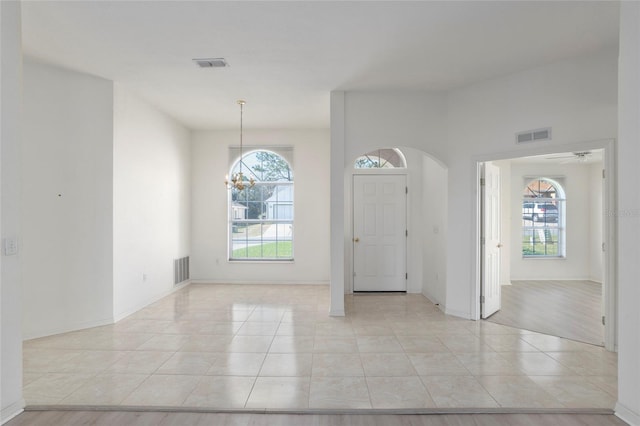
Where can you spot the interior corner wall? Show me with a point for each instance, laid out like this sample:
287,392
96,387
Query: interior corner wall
11,401
209,233
151,202
66,203
577,98
576,182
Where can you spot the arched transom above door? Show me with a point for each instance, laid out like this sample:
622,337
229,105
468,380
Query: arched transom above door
383,158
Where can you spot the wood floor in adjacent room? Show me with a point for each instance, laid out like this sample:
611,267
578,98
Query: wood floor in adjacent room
120,418
569,309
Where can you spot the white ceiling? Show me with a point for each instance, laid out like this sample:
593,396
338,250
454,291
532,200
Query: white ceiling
285,57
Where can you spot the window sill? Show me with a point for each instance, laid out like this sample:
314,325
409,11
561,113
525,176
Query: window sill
545,257
258,261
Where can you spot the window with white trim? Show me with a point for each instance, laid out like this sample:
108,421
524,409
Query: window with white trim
261,216
543,219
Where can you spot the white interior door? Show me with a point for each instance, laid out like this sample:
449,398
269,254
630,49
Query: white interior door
379,233
490,289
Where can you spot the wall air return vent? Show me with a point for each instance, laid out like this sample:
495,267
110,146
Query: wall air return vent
534,135
211,62
180,270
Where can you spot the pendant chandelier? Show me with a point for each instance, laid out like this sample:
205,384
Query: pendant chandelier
237,181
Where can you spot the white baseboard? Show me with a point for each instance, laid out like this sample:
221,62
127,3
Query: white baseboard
106,321
126,313
552,279
336,313
456,313
71,327
627,415
434,300
259,282
11,411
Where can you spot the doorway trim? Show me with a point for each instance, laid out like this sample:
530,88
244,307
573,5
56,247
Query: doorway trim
608,225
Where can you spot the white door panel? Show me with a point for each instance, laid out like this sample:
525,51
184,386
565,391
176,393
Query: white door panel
379,237
490,301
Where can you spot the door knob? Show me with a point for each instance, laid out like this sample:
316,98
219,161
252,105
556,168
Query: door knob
499,245
356,240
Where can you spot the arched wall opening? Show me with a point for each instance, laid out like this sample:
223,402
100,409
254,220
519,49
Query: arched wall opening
426,243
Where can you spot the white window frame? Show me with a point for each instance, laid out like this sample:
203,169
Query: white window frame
541,231
280,224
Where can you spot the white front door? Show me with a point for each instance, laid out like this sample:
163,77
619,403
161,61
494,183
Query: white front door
490,289
379,232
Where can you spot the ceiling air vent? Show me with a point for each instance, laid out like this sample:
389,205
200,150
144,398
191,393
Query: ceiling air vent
534,135
211,62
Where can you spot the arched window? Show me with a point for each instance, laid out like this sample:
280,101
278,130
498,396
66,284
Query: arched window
543,218
386,158
261,216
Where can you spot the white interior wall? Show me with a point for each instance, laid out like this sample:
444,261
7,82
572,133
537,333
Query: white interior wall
596,211
414,122
151,201
11,401
433,238
505,220
389,119
210,163
628,215
66,202
576,181
576,97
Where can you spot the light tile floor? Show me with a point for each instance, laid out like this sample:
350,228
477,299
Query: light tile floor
275,347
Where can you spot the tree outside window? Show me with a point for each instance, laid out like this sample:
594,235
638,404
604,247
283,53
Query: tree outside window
265,232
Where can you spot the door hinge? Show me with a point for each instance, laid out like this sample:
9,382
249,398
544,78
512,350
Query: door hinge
406,232
482,181
406,189
603,321
603,176
481,299
482,240
602,246
406,275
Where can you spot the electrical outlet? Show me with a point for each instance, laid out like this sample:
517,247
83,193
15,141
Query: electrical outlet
10,246
144,277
